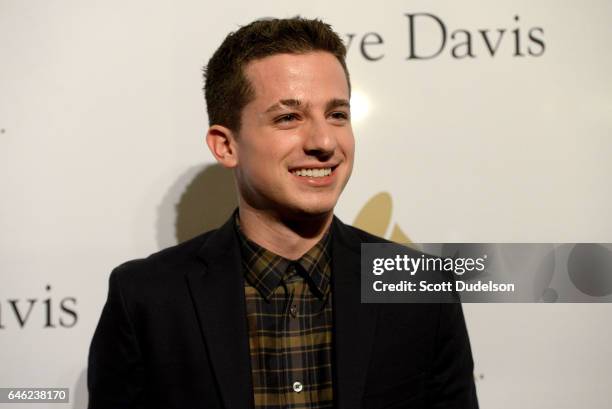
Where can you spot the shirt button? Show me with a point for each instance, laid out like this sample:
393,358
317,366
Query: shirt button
297,387
293,310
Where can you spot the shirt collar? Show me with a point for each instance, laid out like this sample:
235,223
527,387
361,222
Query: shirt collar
264,270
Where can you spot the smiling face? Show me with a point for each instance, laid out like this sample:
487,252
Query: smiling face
294,152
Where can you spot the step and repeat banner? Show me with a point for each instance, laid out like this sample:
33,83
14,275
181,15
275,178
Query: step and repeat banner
475,122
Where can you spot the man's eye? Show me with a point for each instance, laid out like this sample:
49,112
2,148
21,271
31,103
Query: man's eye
339,115
286,118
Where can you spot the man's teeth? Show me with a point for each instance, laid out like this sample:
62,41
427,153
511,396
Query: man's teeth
313,173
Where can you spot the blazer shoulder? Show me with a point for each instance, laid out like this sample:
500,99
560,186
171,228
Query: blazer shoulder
366,237
162,263
356,234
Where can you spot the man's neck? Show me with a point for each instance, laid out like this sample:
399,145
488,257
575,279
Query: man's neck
288,238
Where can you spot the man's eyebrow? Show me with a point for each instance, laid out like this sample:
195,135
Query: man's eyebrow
296,103
291,103
336,103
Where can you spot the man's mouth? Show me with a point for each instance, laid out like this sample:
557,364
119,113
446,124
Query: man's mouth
313,172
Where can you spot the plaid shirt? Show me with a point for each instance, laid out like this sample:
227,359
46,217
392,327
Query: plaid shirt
289,313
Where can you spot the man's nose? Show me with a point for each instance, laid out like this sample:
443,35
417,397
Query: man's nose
320,140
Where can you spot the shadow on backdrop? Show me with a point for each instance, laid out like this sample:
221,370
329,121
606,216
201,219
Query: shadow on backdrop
201,199
78,395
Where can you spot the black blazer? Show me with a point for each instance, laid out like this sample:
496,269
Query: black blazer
173,334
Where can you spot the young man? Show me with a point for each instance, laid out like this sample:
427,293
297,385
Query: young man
265,312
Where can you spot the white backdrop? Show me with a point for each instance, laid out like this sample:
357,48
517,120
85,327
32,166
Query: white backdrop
102,159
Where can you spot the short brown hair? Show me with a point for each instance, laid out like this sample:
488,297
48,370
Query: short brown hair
226,87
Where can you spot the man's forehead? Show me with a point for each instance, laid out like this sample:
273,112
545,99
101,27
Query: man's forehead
294,79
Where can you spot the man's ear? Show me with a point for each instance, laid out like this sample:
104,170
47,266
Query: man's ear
222,144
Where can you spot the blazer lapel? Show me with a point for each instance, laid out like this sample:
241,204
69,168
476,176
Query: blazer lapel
354,323
218,295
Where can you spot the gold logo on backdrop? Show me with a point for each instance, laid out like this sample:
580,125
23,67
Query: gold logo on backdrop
375,218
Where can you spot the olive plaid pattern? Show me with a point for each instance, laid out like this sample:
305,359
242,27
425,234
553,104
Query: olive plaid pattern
289,314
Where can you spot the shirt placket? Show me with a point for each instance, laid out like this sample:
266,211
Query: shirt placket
296,378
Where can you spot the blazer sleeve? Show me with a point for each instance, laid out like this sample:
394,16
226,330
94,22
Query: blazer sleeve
452,382
115,375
